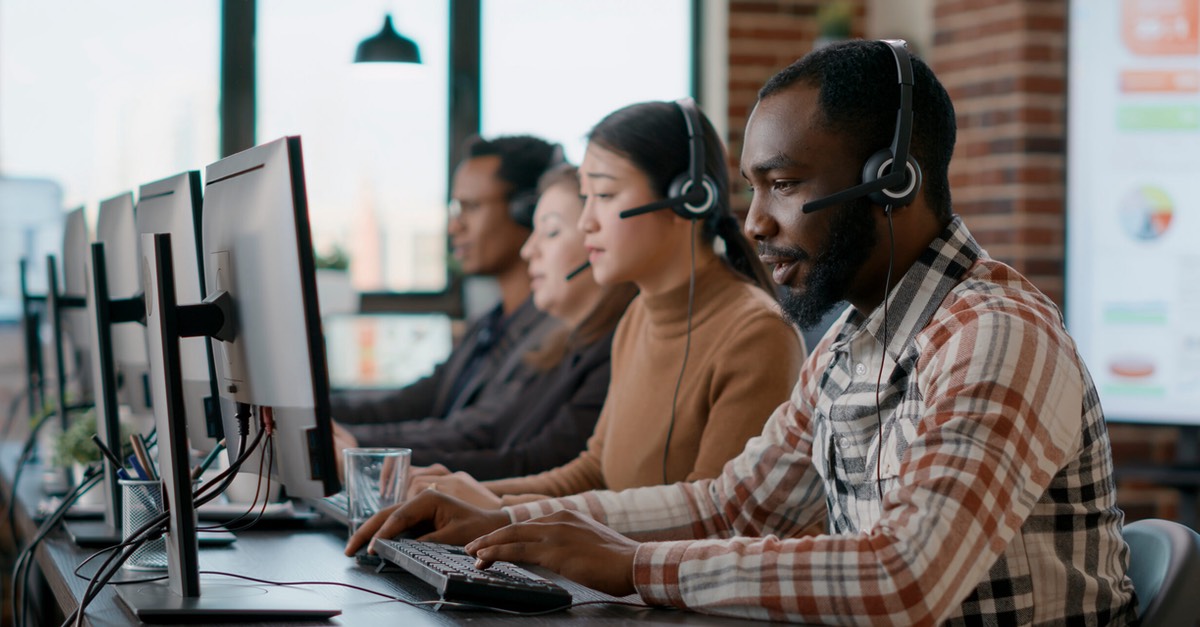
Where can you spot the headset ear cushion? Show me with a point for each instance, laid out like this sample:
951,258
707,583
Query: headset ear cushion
521,206
679,189
900,195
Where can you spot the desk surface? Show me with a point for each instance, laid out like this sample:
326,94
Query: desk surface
312,553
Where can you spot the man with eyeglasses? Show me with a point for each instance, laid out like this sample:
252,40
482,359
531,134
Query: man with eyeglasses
494,189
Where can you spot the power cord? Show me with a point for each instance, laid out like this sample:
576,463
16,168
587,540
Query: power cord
687,349
121,552
21,566
420,604
22,460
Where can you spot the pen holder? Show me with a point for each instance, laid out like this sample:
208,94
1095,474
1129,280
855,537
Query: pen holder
142,501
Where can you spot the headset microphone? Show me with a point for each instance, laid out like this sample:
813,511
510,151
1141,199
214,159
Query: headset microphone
899,186
577,271
692,194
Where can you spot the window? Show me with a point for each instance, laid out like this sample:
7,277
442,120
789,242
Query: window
105,96
554,69
374,135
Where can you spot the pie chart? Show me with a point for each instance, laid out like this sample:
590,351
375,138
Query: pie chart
1146,213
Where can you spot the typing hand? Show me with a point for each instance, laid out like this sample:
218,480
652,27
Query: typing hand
460,485
454,522
567,543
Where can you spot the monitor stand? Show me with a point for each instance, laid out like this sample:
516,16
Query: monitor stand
179,598
97,534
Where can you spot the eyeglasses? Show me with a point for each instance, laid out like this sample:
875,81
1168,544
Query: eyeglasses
460,207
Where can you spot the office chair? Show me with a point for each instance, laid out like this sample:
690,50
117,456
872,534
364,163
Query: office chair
1164,564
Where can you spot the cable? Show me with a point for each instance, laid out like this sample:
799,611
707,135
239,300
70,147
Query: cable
24,558
687,349
26,454
121,552
887,283
419,604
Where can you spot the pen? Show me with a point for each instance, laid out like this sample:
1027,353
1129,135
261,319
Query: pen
108,455
137,468
139,449
208,460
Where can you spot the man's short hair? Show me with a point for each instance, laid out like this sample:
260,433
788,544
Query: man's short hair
859,96
523,159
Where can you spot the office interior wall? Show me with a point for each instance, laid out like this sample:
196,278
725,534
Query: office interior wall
764,37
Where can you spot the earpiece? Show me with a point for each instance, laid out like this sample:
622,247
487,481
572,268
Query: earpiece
878,166
882,182
522,203
692,194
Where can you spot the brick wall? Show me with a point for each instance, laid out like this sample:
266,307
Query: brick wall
764,37
1004,64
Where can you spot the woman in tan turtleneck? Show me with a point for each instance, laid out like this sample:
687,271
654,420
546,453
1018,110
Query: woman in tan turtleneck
679,404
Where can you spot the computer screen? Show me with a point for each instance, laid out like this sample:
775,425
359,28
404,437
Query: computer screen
173,205
258,248
384,351
72,337
1132,291
262,315
115,228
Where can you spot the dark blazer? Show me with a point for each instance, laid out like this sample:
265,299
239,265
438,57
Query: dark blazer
430,397
535,421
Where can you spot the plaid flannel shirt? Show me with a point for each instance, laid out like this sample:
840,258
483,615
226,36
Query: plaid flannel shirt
998,502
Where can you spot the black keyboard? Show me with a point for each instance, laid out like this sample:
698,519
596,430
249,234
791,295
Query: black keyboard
453,574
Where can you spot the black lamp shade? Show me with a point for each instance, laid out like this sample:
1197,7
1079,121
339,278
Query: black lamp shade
387,46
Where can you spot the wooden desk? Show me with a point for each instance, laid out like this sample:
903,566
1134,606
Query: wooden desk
311,553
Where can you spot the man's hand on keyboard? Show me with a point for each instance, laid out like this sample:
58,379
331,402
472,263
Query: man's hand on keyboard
568,543
453,521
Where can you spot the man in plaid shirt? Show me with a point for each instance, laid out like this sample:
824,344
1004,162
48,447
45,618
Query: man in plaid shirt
945,428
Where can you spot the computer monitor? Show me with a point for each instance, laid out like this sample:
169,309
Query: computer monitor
263,315
65,300
115,229
119,362
173,205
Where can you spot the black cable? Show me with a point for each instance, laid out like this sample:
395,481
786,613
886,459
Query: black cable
25,557
22,460
268,453
887,283
121,552
687,348
419,604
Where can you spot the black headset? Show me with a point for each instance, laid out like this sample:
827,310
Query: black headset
522,203
882,183
692,194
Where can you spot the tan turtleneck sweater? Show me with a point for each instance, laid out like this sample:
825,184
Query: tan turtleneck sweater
743,362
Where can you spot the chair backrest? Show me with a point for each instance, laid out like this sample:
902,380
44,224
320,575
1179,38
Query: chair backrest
1164,564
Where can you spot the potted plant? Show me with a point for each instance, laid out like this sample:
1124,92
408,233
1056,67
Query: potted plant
74,450
834,22
334,291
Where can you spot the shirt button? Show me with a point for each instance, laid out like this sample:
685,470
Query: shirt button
860,369
843,441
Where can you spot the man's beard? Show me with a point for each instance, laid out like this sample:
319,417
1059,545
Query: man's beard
851,239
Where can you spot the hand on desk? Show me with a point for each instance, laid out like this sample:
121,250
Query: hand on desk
567,543
454,522
459,484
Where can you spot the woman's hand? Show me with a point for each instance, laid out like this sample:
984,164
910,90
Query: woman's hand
453,521
459,485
